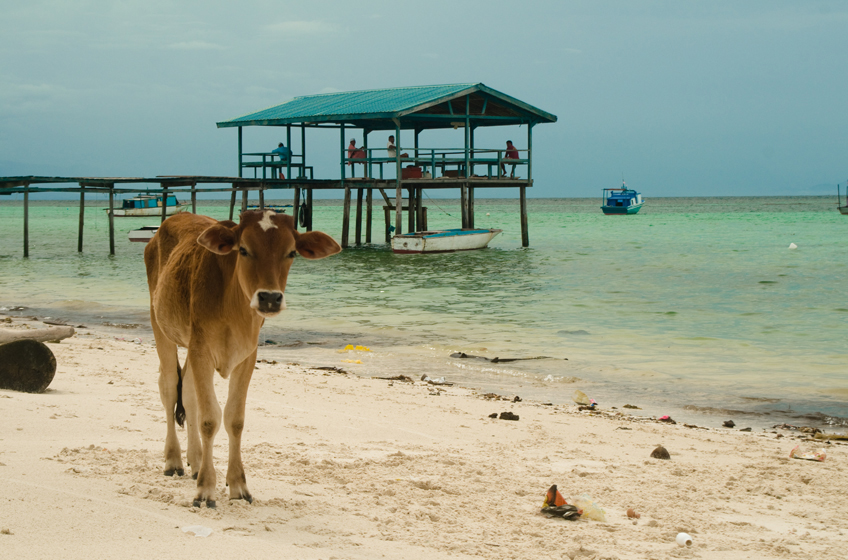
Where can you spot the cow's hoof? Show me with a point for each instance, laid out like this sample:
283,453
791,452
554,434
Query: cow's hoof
170,472
211,504
199,503
196,503
194,476
246,497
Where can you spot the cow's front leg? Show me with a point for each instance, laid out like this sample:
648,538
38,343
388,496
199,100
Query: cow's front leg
208,415
194,448
234,424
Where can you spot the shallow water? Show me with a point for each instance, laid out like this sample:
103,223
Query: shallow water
694,307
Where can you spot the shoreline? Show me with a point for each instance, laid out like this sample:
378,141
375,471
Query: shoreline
356,467
709,414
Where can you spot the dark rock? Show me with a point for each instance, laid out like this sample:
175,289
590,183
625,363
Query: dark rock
493,415
729,424
516,399
660,453
745,430
26,365
508,416
634,407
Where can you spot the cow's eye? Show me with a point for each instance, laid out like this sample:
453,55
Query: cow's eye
242,251
293,254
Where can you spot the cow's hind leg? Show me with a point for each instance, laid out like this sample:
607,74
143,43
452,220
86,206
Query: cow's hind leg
169,377
208,415
234,423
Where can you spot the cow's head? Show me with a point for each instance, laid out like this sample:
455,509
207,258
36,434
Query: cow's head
266,244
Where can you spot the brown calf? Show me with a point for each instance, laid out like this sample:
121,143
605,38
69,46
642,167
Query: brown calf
212,285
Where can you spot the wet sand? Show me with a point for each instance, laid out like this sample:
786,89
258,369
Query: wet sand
347,466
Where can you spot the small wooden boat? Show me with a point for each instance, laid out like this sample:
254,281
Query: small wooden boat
148,205
143,234
443,241
621,201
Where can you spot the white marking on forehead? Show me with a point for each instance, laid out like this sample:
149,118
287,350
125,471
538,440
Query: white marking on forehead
266,222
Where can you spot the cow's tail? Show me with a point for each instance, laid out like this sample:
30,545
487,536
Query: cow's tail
179,411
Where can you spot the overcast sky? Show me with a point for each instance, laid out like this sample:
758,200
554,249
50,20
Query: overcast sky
680,98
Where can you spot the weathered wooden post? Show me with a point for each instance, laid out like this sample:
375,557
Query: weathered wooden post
471,207
369,202
81,218
194,198
296,206
346,208
398,191
164,201
245,194
525,229
262,196
359,216
112,219
26,221
308,209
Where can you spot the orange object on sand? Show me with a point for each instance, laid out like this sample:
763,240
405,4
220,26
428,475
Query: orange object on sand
553,498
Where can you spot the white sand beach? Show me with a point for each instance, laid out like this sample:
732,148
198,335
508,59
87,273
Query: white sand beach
346,466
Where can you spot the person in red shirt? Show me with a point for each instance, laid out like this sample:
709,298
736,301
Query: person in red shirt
511,153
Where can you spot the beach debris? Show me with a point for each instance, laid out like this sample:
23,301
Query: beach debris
516,399
667,419
50,334
438,381
352,361
590,509
403,378
357,348
660,453
463,355
198,530
745,430
583,399
508,416
683,540
5,531
556,506
493,415
807,453
330,368
271,342
824,436
26,365
793,246
631,513
729,424
634,407
802,429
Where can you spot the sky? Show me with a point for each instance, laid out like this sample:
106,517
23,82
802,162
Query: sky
700,98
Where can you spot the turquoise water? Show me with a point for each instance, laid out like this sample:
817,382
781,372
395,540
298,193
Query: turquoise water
694,307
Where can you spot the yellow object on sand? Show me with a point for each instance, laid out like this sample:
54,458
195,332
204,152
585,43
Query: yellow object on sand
350,347
352,361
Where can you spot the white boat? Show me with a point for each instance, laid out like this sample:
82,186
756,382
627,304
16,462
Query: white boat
143,234
442,241
148,205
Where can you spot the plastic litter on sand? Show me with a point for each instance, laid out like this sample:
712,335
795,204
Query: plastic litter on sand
683,539
198,530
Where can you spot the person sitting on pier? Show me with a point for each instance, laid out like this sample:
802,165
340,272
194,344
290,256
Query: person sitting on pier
391,148
285,155
511,153
355,153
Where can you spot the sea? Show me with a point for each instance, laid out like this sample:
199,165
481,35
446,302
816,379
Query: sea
703,309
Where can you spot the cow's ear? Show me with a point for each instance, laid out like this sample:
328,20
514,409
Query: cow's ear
316,245
218,239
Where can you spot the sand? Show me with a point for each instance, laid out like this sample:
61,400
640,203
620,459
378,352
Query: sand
347,466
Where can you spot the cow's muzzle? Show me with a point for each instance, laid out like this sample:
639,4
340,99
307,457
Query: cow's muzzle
268,303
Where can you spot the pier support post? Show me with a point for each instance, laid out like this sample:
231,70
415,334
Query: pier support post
398,191
369,202
420,222
232,201
245,193
26,221
471,207
262,196
410,209
463,204
525,234
308,209
81,218
296,207
112,218
346,218
359,193
194,198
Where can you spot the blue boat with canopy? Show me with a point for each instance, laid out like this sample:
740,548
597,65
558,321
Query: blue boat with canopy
621,201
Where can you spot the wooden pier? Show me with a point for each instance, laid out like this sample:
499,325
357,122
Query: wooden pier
415,167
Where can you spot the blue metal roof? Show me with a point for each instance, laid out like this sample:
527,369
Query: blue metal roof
420,106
